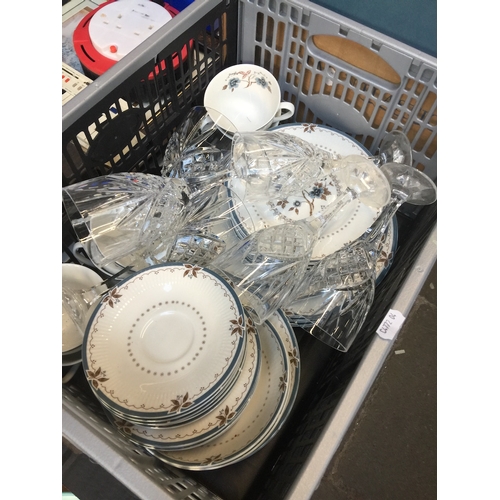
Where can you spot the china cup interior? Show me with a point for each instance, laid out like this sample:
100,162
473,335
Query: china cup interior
246,95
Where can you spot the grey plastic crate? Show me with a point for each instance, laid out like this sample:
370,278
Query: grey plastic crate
344,75
122,121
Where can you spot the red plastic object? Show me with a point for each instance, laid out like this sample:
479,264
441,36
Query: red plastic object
94,62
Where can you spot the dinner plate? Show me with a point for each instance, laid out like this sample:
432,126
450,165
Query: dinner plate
285,330
351,221
335,142
265,413
165,340
75,277
211,424
252,422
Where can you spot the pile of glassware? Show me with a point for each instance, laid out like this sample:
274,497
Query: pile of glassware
289,225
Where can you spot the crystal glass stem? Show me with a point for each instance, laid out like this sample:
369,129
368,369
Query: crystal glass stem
380,225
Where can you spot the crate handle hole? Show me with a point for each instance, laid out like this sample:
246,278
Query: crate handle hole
350,54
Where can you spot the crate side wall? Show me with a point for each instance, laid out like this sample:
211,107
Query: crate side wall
375,85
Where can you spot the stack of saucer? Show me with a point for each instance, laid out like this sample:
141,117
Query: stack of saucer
176,363
166,346
183,433
263,416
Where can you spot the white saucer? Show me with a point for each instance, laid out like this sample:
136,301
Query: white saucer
329,139
291,380
166,341
264,414
211,424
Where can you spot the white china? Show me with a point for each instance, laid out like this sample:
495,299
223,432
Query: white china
265,413
247,95
186,415
285,331
334,142
350,223
75,277
165,341
211,424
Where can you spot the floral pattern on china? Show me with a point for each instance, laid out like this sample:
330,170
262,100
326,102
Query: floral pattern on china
118,334
247,78
268,408
207,426
305,205
352,220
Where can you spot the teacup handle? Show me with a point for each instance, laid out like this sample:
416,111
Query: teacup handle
80,253
286,110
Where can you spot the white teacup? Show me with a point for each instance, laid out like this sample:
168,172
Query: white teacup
249,97
78,278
